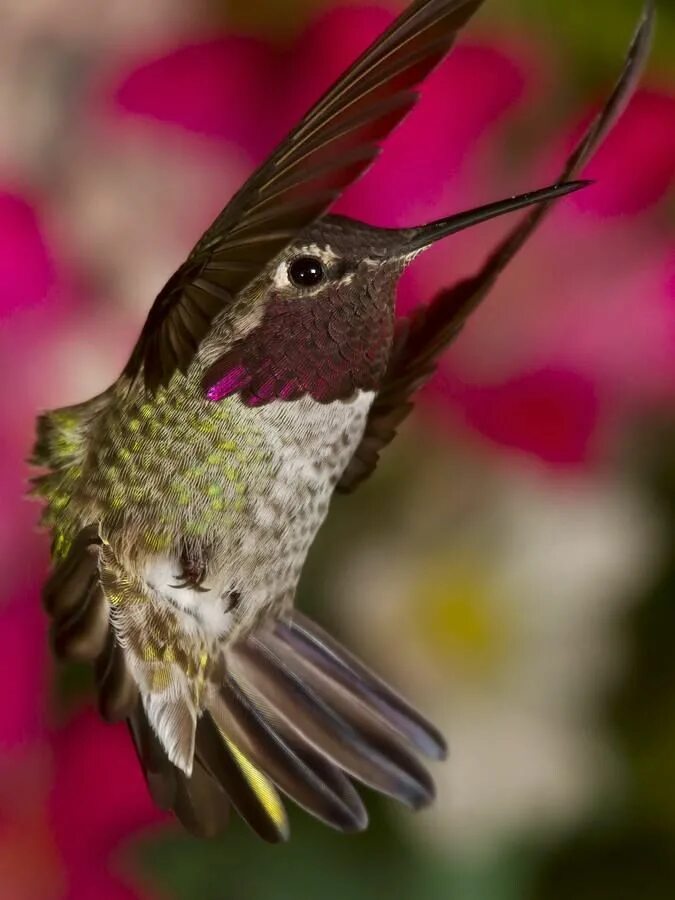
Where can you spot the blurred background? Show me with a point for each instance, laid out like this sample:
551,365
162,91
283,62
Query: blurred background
511,567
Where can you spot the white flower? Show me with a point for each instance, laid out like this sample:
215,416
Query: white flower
495,604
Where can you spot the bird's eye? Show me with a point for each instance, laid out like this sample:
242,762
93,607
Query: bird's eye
306,271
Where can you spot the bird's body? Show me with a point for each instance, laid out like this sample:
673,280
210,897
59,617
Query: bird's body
183,500
235,490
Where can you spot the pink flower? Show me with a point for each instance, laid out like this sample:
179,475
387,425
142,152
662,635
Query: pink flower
26,269
587,339
23,651
98,804
71,797
552,413
28,313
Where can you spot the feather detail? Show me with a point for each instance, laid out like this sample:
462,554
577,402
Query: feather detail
161,775
82,635
198,801
284,708
318,788
367,752
341,679
73,598
116,687
201,806
68,587
252,794
174,723
61,433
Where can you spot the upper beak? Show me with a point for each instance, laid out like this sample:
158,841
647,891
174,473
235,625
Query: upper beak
416,239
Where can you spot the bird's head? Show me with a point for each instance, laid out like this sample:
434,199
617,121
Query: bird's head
326,307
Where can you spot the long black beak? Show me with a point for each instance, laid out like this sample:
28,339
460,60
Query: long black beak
416,239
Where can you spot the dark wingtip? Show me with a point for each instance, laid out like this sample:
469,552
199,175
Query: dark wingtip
224,762
117,689
356,826
441,748
647,23
580,183
82,636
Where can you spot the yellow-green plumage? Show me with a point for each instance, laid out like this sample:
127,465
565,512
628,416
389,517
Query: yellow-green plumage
182,467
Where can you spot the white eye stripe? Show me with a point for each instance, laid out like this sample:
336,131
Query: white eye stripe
280,278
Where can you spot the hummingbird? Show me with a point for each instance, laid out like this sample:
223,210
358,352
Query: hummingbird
182,501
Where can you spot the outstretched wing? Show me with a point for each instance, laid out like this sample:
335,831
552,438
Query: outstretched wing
422,338
332,146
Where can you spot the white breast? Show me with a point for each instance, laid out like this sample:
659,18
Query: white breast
262,556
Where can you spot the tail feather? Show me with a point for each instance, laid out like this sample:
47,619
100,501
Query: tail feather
174,722
302,778
372,756
198,801
161,775
201,806
250,791
342,679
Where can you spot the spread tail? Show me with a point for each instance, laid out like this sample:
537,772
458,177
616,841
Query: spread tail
282,710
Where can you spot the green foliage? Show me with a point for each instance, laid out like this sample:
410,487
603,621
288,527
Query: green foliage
595,33
322,865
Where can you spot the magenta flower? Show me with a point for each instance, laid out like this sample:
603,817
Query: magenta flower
69,798
22,649
26,269
98,805
27,279
588,339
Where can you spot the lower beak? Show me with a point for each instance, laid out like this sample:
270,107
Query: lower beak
416,239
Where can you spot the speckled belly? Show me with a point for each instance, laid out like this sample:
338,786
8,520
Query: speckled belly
246,487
